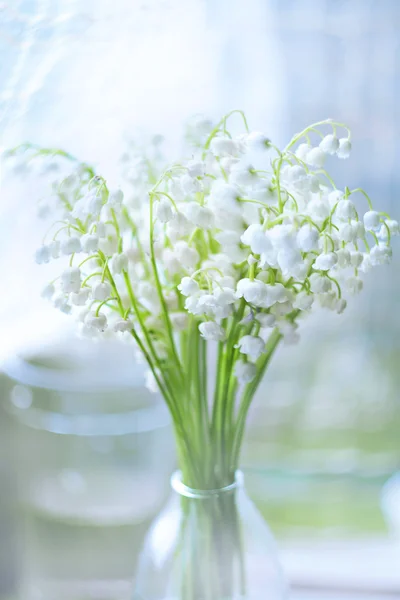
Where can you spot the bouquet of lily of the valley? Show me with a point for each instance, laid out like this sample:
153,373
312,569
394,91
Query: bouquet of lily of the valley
230,248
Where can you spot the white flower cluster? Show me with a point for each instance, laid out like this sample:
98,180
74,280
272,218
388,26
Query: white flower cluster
241,239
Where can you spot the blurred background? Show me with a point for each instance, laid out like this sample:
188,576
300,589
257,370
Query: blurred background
324,435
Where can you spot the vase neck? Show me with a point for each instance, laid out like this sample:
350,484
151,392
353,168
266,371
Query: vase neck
183,490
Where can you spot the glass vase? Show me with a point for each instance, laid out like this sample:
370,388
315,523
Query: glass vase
209,545
87,442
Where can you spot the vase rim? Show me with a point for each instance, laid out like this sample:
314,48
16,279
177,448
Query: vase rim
184,490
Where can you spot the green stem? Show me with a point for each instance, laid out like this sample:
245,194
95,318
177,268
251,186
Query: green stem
248,395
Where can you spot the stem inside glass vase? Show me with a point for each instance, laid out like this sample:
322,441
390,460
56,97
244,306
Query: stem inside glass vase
211,544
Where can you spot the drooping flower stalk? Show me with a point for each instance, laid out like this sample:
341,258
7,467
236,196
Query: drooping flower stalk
231,248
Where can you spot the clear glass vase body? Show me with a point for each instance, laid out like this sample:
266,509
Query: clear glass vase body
87,437
209,545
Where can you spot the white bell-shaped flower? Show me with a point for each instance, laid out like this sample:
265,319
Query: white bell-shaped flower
316,157
245,371
325,261
178,226
344,148
55,249
163,210
81,297
354,285
119,263
340,306
359,229
42,255
254,292
188,286
187,255
380,255
171,262
190,185
334,197
71,280
122,325
266,320
319,284
223,146
302,150
356,258
345,210
329,144
308,238
344,258
251,345
211,331
196,168
60,301
90,243
70,245
347,232
303,301
201,216
101,291
98,322
256,140
256,238
372,220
